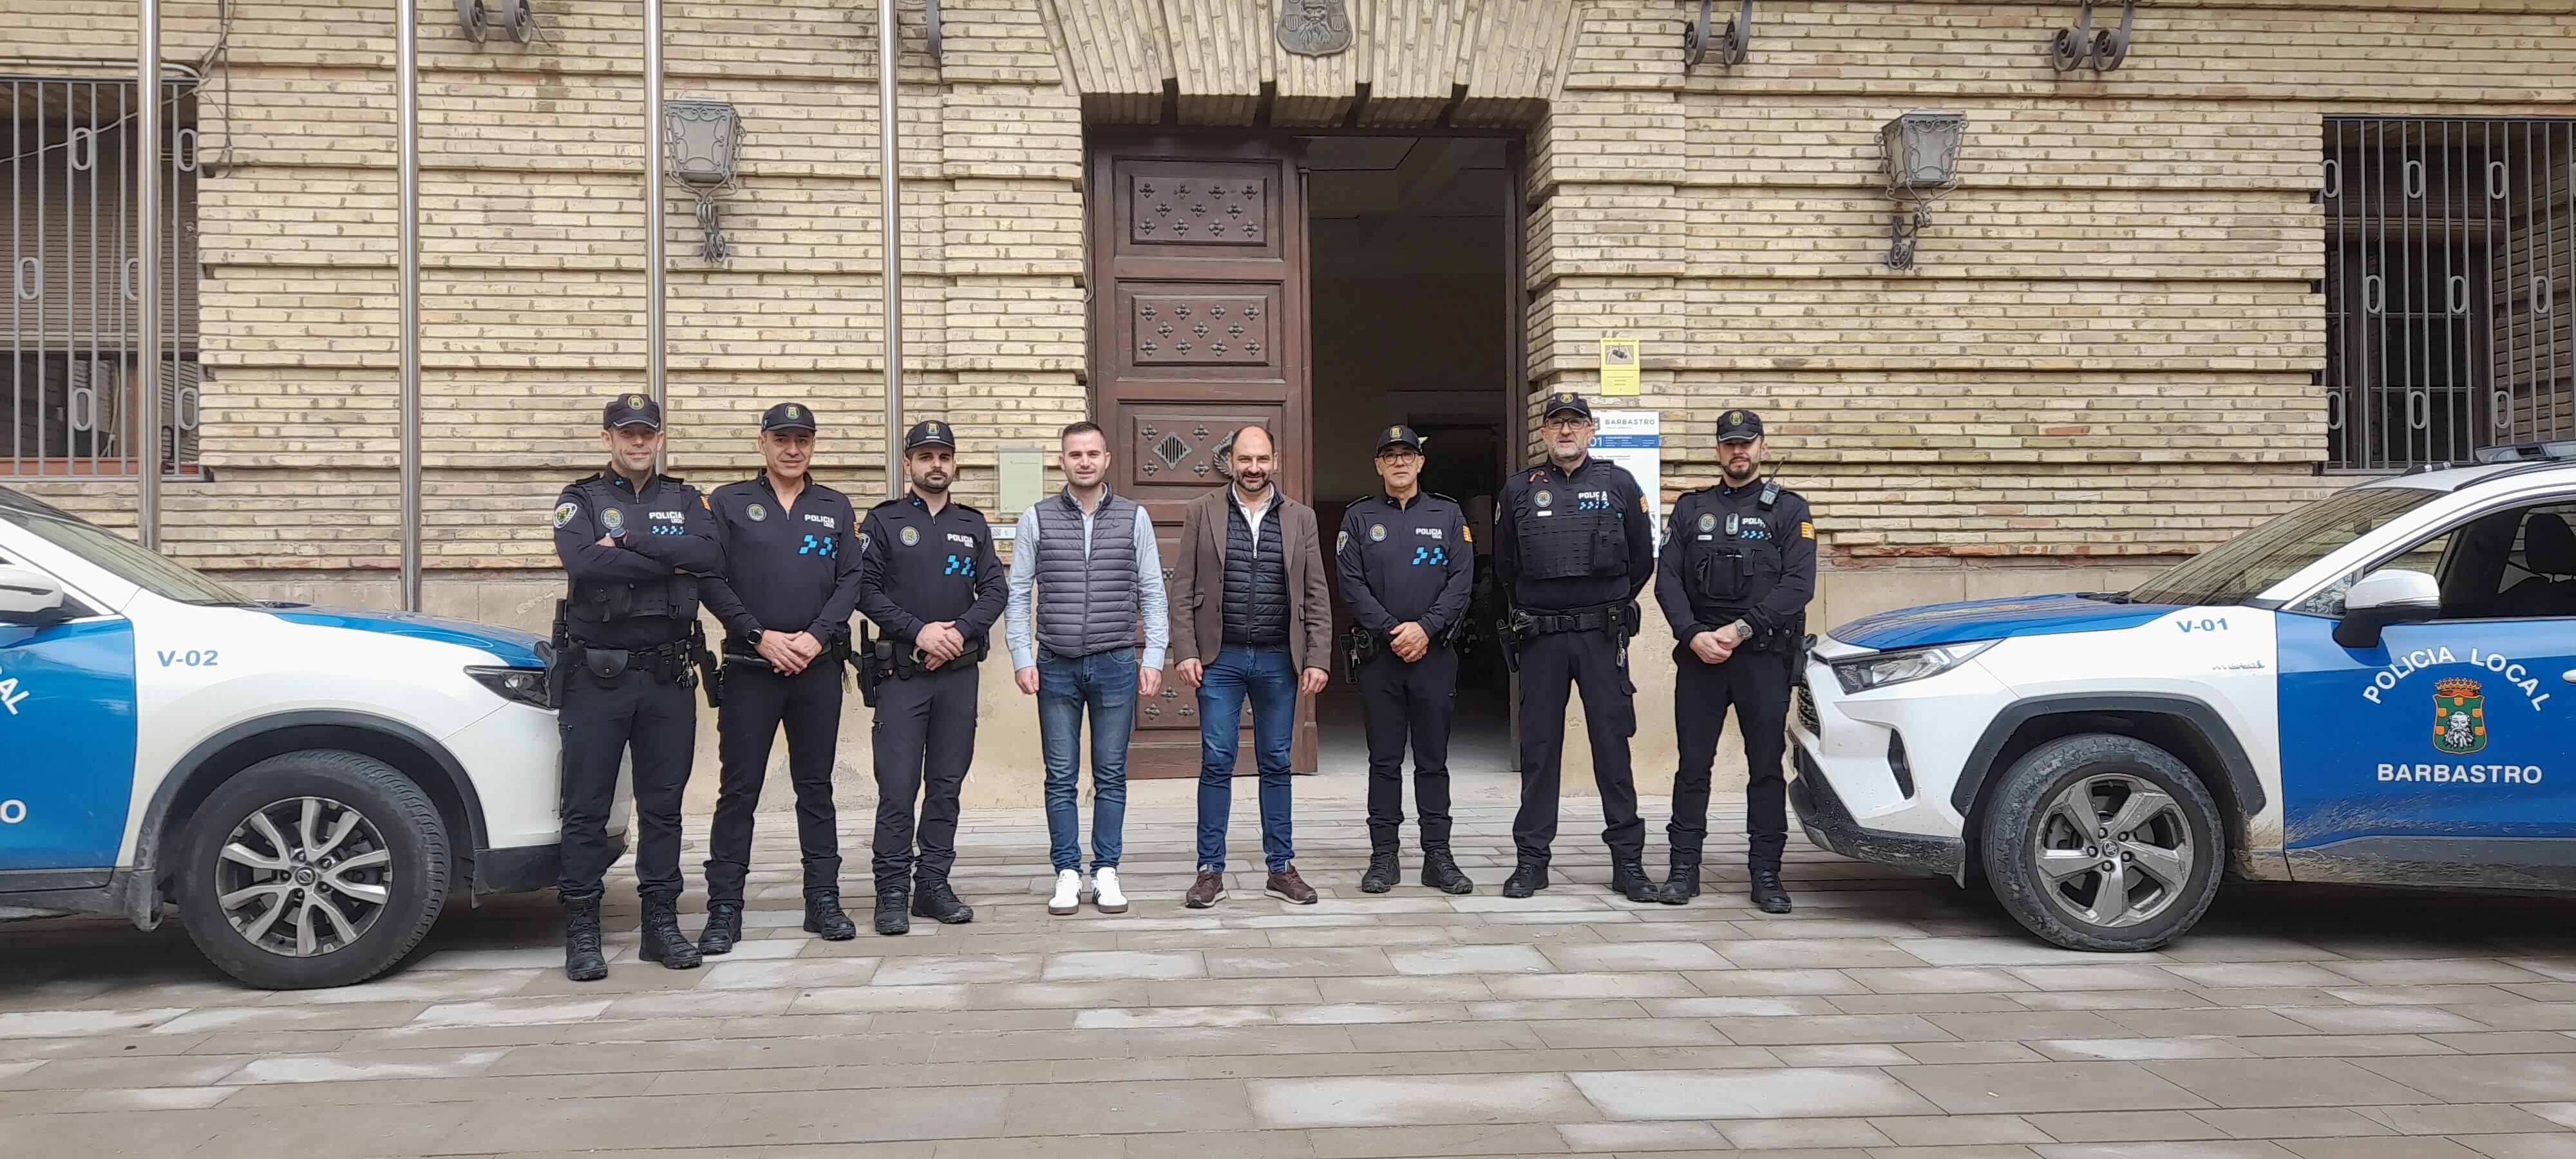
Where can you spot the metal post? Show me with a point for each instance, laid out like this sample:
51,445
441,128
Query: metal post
407,64
654,368
148,280
889,181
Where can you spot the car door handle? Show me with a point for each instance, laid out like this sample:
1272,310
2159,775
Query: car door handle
2568,676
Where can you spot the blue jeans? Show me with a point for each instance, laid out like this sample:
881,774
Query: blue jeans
1270,679
1106,683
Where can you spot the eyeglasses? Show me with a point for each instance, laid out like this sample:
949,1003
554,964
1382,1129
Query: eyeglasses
1398,456
1572,424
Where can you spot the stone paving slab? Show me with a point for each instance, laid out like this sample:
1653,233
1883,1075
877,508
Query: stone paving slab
1891,1015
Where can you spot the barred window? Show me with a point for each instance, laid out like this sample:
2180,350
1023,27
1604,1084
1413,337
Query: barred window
67,370
2448,243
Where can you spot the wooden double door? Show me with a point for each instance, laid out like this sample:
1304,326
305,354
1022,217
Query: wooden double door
1198,326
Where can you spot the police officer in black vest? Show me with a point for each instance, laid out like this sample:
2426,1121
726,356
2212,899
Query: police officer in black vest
635,545
791,580
933,585
1573,546
1737,570
1406,562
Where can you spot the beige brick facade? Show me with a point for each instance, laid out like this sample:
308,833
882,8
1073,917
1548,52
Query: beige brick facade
2104,355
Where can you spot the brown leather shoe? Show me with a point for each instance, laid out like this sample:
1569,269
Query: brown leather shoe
1288,887
1208,890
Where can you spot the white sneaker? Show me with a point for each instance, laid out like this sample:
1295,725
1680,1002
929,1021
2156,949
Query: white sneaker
1104,885
1068,892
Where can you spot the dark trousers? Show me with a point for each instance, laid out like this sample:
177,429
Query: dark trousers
1756,685
601,720
1552,666
756,702
1397,701
924,738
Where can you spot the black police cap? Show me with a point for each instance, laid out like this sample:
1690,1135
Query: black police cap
788,416
1400,436
930,434
1566,400
631,410
1739,426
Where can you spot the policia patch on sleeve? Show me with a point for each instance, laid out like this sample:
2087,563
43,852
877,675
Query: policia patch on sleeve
564,512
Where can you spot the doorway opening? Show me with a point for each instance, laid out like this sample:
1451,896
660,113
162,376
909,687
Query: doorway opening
1417,318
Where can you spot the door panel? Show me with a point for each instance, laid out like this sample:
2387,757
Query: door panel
1198,326
66,744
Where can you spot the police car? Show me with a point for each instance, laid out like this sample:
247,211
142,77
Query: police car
2373,688
307,785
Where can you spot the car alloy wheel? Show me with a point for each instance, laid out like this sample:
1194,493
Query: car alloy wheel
2113,851
304,876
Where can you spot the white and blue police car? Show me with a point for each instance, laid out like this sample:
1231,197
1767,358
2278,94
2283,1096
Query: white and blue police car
2373,688
309,786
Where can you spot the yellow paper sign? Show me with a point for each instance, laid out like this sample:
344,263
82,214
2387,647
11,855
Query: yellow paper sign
1619,366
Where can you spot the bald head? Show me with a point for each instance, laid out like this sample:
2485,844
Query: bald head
1251,459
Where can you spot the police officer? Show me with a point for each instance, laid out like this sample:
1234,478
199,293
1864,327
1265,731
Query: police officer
932,583
1572,548
635,545
1737,570
791,581
1406,562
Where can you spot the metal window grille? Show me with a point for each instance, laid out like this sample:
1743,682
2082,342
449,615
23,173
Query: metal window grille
2449,242
67,374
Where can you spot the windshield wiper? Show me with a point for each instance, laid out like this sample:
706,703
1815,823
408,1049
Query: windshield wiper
2106,597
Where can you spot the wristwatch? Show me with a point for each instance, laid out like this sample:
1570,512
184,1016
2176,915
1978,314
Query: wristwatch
1743,630
754,636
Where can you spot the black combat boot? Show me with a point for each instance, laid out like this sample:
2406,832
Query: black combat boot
1527,878
1683,885
724,928
893,911
823,916
1628,879
1440,872
582,960
663,941
931,898
1382,872
1768,893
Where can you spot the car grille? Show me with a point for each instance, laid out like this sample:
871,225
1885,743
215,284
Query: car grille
1804,702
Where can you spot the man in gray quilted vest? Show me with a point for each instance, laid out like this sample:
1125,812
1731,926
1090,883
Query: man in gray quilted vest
1085,575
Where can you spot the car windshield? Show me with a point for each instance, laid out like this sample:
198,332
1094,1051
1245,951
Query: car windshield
113,554
2242,568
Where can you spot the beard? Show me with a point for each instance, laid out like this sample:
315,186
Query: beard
1253,484
932,483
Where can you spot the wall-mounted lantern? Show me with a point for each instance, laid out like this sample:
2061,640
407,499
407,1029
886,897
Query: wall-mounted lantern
2075,47
703,140
1920,151
517,19
1733,43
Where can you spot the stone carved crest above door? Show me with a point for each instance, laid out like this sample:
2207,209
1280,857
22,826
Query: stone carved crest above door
1314,27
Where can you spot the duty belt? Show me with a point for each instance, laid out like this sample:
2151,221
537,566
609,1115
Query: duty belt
663,662
1607,617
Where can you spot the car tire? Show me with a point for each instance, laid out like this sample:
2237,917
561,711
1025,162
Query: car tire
2138,872
334,864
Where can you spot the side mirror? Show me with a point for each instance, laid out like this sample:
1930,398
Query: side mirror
28,596
2389,596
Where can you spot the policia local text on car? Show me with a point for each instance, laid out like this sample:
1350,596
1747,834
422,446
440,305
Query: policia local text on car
1406,563
933,583
1737,570
1572,548
790,582
634,544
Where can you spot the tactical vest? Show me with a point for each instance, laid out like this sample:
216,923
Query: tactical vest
601,601
1256,580
1086,602
1580,540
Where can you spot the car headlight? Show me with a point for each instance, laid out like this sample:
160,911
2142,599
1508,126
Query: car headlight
525,685
1885,668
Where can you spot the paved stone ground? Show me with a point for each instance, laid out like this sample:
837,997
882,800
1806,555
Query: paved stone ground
1888,1016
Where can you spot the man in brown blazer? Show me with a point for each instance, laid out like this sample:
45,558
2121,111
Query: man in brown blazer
1251,617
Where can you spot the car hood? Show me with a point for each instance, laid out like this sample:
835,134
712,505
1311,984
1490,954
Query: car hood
515,648
1994,620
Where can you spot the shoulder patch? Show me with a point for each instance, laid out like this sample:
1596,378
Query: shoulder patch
564,513
1343,543
1806,530
1466,533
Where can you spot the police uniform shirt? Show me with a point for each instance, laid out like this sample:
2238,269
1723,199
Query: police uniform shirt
918,567
786,569
1545,492
1779,545
664,528
1406,563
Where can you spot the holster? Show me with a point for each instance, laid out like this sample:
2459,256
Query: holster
710,676
1514,631
1359,645
558,658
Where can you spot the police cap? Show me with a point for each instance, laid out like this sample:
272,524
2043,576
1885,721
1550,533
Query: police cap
1739,426
787,416
1563,401
631,410
929,434
1400,436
